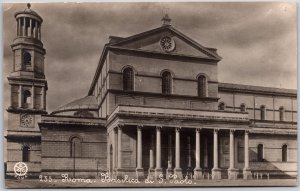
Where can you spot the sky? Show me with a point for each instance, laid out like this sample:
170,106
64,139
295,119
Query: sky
257,41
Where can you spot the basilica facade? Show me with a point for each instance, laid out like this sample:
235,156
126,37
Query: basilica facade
155,108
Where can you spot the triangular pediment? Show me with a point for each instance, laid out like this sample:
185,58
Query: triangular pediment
152,41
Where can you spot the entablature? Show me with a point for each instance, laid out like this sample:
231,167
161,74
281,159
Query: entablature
57,120
140,115
274,124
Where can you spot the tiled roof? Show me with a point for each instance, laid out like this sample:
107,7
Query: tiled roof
88,102
246,88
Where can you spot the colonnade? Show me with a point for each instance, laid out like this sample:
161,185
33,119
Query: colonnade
216,171
28,27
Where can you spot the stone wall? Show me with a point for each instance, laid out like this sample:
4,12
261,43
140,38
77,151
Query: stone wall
14,155
253,103
272,149
148,73
56,151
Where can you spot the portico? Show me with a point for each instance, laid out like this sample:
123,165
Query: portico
183,151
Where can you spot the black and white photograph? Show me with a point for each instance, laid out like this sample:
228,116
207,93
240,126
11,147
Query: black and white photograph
149,94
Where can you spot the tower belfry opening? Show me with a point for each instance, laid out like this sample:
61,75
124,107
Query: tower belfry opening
28,23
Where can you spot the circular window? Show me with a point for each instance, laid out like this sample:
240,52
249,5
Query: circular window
26,120
167,44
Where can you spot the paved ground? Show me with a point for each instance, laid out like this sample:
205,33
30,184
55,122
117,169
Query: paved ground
59,183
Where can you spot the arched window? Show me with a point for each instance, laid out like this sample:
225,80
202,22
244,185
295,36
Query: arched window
166,82
201,86
263,112
26,58
284,153
128,79
25,153
260,152
222,106
75,147
26,98
281,113
243,107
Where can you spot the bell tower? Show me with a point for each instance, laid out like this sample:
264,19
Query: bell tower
27,80
28,88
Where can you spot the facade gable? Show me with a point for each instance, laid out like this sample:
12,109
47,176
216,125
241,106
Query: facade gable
152,41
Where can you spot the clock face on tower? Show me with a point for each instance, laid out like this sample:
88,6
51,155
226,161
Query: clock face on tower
26,120
167,44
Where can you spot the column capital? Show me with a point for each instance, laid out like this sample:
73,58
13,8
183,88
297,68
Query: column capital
158,128
115,129
198,129
232,131
139,127
216,130
247,131
120,126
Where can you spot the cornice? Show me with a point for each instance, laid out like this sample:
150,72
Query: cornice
138,93
164,55
144,74
27,110
240,88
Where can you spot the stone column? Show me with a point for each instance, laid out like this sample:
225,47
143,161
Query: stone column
197,170
139,169
119,168
33,97
169,170
39,32
177,169
151,158
158,169
205,153
246,171
43,98
19,27
11,96
35,30
115,137
189,158
20,96
216,172
189,152
231,149
232,172
24,27
30,27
